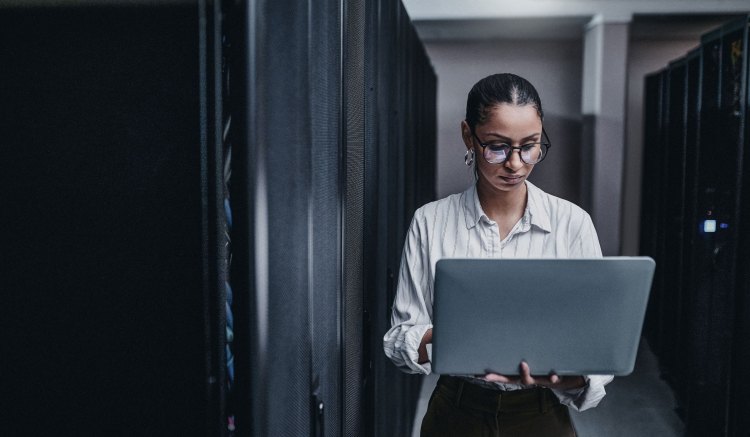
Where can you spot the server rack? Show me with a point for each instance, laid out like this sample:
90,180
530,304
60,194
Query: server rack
739,419
690,312
337,204
399,177
288,239
649,200
112,139
720,182
149,136
736,69
660,155
700,332
673,210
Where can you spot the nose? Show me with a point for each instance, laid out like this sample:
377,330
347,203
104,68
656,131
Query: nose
514,162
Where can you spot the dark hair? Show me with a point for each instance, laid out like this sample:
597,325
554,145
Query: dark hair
497,89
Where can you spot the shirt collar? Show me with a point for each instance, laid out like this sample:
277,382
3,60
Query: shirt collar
539,215
472,208
535,213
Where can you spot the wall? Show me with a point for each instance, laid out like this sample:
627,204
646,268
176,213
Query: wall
554,67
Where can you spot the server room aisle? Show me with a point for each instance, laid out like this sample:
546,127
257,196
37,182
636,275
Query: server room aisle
641,404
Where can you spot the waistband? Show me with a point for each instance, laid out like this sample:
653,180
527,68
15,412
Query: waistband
468,395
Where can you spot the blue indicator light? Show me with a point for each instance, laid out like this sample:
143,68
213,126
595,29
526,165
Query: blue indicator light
724,226
709,226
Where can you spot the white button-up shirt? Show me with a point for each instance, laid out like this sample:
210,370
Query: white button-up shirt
457,227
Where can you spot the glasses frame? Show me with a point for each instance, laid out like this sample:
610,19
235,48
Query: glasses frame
546,146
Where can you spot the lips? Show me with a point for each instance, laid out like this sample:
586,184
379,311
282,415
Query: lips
512,179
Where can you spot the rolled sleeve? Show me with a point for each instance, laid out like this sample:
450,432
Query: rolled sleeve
410,318
402,347
586,397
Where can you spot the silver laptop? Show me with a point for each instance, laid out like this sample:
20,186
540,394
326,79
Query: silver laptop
570,316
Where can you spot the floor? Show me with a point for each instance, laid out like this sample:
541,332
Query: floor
640,404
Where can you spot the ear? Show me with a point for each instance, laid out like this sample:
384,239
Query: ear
466,135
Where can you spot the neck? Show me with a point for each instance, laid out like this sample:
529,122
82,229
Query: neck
502,206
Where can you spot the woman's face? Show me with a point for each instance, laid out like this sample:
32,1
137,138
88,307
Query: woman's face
510,124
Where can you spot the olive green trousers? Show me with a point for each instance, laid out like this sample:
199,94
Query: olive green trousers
459,408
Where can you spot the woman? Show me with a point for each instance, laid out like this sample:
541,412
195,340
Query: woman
502,216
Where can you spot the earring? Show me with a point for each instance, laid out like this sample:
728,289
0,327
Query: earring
469,157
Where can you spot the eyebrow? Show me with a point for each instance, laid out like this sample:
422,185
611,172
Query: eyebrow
503,137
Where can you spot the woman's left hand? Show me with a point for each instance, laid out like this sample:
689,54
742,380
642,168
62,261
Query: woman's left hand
525,377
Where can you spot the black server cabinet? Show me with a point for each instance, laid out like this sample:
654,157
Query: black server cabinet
288,237
670,95
650,190
735,87
661,154
399,177
740,405
327,170
719,182
672,151
140,138
694,224
110,162
690,312
695,215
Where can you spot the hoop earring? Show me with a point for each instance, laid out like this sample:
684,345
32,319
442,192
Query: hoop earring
469,157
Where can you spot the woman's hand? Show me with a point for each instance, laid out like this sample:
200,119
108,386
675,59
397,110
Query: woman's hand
526,378
426,339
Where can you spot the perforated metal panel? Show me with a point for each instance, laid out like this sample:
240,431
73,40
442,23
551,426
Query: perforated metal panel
353,215
326,218
288,240
286,143
399,177
305,344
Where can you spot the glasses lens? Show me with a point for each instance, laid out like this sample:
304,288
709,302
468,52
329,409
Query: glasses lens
496,153
532,153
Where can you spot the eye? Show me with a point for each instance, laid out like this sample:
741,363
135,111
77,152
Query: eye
497,148
529,147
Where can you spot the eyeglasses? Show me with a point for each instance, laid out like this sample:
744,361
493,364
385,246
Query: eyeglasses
531,153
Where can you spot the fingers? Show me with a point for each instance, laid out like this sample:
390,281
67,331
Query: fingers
526,377
553,378
496,377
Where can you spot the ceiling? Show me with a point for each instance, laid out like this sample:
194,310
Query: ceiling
461,20
502,28
642,27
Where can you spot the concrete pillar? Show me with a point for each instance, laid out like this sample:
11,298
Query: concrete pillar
604,97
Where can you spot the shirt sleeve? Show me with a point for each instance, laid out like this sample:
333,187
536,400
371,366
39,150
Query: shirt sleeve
411,312
581,399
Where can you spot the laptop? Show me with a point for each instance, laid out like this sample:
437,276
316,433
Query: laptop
568,316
